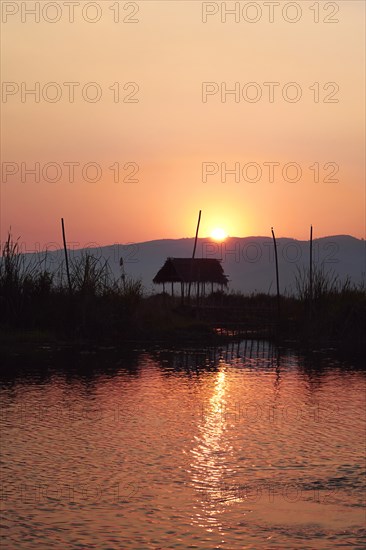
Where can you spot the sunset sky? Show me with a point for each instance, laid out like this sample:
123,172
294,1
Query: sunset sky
170,130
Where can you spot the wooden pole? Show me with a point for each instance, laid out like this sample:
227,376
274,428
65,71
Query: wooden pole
66,257
311,270
193,255
277,277
195,240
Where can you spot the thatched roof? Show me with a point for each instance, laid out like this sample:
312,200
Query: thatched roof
186,270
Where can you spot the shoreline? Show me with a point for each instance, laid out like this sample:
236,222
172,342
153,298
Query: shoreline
26,344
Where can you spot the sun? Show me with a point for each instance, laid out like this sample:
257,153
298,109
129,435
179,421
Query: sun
218,234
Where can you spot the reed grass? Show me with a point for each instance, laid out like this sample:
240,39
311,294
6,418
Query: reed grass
101,306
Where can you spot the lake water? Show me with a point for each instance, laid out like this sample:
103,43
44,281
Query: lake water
239,447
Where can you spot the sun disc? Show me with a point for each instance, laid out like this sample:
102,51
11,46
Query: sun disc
218,234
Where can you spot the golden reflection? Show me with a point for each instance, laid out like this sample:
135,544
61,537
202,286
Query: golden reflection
210,465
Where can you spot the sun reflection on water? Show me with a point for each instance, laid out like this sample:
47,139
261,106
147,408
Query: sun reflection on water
210,466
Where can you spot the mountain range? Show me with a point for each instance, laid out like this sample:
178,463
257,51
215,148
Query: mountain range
249,262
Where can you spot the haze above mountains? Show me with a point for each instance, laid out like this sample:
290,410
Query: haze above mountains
248,261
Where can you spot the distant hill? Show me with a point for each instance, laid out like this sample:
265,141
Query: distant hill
248,262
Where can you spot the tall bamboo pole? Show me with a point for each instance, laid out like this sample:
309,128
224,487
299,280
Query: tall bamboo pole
277,276
193,255
311,269
66,257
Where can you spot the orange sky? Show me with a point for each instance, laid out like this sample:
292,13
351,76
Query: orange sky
170,132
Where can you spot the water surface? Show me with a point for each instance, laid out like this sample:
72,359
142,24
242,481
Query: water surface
240,447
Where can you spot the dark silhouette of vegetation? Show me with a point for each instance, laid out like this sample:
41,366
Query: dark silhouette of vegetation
33,298
333,310
100,307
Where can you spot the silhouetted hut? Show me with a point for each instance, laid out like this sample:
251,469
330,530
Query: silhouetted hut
186,271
